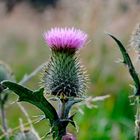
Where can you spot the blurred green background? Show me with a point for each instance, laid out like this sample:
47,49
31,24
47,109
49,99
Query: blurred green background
23,48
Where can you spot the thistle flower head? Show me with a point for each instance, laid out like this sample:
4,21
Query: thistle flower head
135,38
63,74
65,38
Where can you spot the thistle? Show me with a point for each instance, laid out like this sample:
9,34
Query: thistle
135,41
63,75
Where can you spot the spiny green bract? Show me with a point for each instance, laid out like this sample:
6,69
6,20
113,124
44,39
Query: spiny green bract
64,75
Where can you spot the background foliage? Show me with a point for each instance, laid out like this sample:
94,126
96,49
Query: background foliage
23,48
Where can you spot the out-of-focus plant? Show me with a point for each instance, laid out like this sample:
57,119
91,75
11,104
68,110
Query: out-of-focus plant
135,43
5,74
135,40
39,5
63,80
30,134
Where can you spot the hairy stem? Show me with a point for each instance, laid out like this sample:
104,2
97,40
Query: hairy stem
62,129
4,122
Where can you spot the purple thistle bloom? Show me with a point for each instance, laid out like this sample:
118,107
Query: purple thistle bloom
65,38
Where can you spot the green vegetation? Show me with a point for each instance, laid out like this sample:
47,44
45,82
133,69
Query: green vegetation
23,49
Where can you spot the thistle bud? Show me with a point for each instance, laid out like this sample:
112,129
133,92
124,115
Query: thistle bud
63,74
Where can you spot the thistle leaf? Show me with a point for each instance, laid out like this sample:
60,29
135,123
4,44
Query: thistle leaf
128,62
34,97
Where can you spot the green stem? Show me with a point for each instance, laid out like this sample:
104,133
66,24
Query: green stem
61,129
62,115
